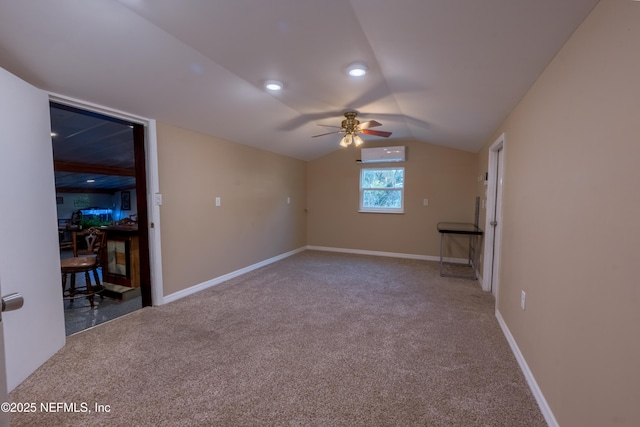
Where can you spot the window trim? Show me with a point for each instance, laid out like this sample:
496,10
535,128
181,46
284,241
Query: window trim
399,210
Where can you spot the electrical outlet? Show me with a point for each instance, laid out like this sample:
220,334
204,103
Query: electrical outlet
425,202
288,200
523,299
217,201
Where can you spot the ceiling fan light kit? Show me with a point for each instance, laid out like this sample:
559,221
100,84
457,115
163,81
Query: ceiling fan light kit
345,141
351,138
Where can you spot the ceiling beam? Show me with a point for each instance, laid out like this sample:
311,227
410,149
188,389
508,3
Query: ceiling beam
94,190
85,190
60,166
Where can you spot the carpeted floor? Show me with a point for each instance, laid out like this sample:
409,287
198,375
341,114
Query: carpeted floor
317,339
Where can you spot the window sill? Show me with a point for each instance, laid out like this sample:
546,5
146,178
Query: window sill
380,211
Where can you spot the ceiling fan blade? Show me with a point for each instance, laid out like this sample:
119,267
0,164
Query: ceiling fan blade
328,133
331,126
369,124
376,132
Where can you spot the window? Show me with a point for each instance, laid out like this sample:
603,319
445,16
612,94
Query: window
382,190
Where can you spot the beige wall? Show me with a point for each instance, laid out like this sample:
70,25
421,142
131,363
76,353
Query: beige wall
571,222
254,221
444,176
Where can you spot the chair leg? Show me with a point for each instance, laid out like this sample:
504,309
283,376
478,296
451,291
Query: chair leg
96,276
87,279
72,288
99,287
64,282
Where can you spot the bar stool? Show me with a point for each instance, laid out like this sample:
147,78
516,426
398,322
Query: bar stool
84,262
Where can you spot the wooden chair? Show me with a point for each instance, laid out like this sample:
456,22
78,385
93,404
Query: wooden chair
84,261
66,226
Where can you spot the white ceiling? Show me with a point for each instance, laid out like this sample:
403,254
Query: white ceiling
440,71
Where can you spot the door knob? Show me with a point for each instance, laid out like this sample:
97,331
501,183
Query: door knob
12,302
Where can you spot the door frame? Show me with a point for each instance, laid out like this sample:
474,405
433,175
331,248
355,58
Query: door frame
493,240
4,394
153,195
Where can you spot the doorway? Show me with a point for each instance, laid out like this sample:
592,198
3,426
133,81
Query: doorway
100,178
491,266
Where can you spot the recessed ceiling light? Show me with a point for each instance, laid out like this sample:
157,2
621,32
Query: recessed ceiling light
273,85
357,69
91,180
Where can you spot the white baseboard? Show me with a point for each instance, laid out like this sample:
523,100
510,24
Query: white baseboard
209,283
533,385
387,254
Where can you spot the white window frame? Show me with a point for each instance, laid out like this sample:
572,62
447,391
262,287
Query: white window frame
399,210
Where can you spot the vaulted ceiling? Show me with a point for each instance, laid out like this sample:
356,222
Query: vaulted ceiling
440,71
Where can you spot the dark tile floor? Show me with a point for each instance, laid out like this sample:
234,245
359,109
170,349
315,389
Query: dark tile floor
78,314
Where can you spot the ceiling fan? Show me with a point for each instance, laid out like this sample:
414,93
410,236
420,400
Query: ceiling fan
351,127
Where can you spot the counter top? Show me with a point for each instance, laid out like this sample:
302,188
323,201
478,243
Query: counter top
122,228
458,228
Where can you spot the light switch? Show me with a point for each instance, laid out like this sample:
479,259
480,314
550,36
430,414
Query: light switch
158,199
217,201
425,202
288,200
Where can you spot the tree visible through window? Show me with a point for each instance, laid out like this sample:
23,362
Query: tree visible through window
382,190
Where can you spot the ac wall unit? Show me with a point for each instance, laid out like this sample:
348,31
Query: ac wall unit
383,154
